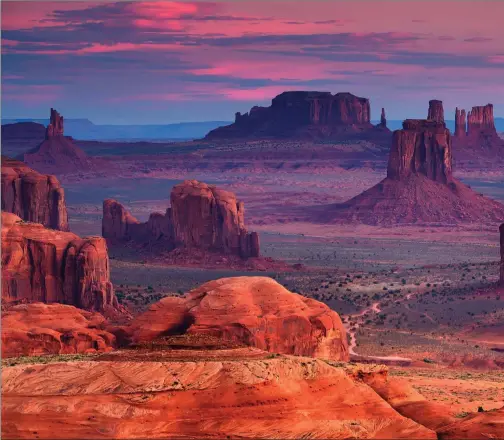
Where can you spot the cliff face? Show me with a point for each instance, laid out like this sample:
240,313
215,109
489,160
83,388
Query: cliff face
40,264
481,119
421,147
436,111
33,196
299,113
201,216
501,279
460,123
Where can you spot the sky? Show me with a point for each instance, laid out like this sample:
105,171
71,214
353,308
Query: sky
165,61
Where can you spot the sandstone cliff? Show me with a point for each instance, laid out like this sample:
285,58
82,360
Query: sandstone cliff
460,123
436,111
201,217
32,196
44,265
481,119
57,153
419,187
292,114
254,311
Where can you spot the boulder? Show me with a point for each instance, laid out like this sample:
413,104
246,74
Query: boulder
33,196
254,311
43,265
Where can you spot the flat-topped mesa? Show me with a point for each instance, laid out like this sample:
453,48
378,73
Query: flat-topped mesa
460,123
32,196
55,127
421,147
43,265
297,112
481,119
201,216
501,278
436,111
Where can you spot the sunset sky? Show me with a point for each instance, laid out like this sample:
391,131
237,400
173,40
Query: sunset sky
164,62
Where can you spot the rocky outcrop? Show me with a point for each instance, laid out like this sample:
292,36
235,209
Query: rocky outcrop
55,127
383,119
419,187
215,397
436,111
201,216
481,120
501,230
57,153
42,329
43,265
421,147
301,113
460,123
33,196
254,311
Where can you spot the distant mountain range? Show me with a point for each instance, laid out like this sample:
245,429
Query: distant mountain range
397,125
84,129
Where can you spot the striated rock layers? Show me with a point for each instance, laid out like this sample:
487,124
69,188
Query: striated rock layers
33,196
254,311
201,216
43,265
218,397
292,114
501,230
436,111
57,153
419,187
41,329
480,122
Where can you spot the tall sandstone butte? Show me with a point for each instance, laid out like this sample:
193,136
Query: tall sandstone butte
460,123
57,153
481,119
299,113
501,230
419,187
43,265
421,147
33,196
436,111
201,216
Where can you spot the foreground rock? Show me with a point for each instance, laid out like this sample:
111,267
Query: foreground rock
255,311
419,187
43,329
489,424
40,264
302,114
260,397
33,196
57,153
201,216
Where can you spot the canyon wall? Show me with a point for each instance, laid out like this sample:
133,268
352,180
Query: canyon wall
43,265
201,216
32,196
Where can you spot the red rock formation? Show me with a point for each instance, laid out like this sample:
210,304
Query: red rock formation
383,119
487,424
436,112
419,187
55,127
41,329
501,230
40,264
201,216
480,119
460,123
301,113
254,311
32,196
57,154
421,147
223,394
